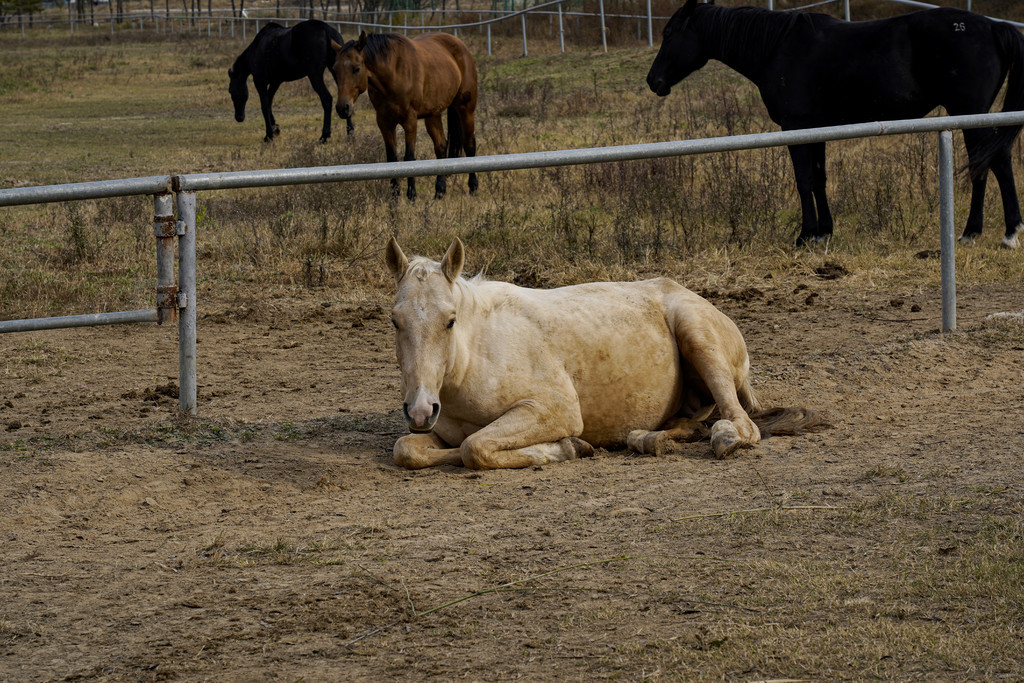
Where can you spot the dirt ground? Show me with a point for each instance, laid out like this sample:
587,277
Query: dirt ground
274,539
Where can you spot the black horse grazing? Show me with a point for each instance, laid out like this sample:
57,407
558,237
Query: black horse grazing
278,54
814,70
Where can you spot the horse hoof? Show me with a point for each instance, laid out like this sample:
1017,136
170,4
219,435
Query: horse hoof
323,140
967,240
439,195
646,443
1012,241
581,449
725,439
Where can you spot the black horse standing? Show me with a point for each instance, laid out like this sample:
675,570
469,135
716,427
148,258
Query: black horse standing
814,70
278,54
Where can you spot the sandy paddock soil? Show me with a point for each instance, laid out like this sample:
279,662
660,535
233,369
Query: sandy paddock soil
274,539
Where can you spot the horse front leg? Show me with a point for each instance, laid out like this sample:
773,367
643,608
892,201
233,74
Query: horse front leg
266,93
803,171
416,451
388,131
436,131
534,432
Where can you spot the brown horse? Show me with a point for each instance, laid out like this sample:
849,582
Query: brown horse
410,80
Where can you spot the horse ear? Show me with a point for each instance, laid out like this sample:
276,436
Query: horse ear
454,259
397,263
361,43
335,46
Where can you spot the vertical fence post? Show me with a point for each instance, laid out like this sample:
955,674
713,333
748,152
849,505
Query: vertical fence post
846,9
561,29
488,40
947,239
522,19
604,30
186,228
165,231
650,26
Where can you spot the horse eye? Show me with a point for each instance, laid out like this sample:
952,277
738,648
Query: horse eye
451,324
355,69
394,323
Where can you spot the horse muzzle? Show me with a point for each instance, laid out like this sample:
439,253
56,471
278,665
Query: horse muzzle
240,117
344,110
658,86
422,415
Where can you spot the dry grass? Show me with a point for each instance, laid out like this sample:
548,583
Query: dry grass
122,109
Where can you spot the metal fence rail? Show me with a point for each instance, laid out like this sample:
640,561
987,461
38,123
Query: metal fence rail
179,300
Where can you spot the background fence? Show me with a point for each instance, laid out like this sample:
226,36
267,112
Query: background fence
179,300
248,22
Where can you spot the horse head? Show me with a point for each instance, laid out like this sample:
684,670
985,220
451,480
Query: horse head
424,317
681,52
350,73
239,92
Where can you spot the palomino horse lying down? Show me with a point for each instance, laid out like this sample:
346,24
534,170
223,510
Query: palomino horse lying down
495,375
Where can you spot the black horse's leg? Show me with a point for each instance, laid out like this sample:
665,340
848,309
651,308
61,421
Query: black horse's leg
818,187
1002,168
803,170
266,101
436,132
272,89
317,81
973,139
410,151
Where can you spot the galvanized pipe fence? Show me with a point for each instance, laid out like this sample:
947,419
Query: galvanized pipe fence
178,301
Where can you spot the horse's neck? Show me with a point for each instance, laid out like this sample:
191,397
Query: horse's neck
743,39
476,302
241,68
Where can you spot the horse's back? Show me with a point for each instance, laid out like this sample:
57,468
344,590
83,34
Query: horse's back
898,67
443,46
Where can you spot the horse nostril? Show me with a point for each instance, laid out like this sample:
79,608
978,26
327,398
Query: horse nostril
435,412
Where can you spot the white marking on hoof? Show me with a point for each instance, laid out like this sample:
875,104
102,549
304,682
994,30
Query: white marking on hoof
1012,241
725,439
966,240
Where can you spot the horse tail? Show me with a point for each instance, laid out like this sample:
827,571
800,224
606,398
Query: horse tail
455,134
787,421
1010,44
